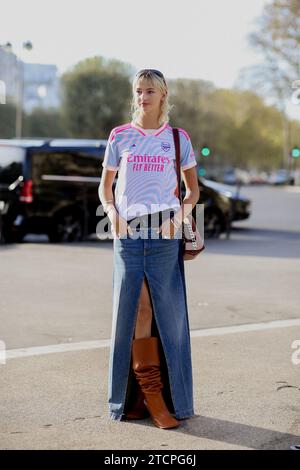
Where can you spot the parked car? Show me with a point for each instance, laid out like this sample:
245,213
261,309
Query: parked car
217,209
51,186
281,176
236,175
258,177
240,205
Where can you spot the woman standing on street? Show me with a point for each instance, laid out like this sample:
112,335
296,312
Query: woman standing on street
150,367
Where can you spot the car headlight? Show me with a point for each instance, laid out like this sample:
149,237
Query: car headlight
227,193
224,198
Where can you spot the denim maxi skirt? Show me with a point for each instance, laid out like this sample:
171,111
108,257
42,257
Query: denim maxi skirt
160,261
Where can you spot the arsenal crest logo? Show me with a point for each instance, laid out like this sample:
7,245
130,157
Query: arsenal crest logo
165,146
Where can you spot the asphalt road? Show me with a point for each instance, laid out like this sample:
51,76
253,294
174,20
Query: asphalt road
244,301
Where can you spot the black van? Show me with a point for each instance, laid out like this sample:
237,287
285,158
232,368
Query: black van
49,186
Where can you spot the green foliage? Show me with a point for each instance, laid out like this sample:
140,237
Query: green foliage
276,37
237,126
96,97
7,120
44,123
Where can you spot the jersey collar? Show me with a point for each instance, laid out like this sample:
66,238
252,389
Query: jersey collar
161,129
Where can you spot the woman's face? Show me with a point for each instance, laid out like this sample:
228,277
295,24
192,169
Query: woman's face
148,97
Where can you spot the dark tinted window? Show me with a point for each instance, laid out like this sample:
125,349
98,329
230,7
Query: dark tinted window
11,163
65,164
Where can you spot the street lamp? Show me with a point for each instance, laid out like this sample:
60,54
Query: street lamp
27,45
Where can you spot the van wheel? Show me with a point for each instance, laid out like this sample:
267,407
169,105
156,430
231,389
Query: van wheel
212,224
11,236
66,228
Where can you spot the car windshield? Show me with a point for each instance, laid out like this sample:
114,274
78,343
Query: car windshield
11,163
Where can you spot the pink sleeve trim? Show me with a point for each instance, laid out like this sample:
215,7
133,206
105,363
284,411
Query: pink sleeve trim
116,130
109,167
185,133
189,165
112,136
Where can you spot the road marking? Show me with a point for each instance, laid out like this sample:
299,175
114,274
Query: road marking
292,189
56,348
104,343
225,330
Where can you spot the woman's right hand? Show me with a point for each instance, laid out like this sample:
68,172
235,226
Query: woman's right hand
119,226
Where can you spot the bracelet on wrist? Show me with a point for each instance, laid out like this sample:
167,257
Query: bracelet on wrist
110,209
108,206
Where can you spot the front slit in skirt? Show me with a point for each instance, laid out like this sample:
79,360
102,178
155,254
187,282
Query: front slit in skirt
160,261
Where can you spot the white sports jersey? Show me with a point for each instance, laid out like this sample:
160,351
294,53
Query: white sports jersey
146,165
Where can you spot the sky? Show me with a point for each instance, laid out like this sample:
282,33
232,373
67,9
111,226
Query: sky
204,39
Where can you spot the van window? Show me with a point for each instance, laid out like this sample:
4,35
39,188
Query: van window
64,164
11,163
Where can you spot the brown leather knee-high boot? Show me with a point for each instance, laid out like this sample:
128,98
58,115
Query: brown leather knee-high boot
146,366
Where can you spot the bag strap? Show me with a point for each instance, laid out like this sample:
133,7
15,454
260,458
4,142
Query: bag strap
177,151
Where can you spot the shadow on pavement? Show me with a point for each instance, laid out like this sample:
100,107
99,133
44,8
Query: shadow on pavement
237,434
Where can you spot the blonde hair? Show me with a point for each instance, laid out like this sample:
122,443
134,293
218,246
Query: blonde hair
160,83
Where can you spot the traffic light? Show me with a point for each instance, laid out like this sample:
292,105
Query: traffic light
205,151
295,153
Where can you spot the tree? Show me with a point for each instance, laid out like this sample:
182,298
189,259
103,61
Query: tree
277,38
96,97
7,120
238,127
190,98
44,123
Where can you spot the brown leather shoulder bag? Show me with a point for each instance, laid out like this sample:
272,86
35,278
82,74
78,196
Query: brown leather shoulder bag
192,240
